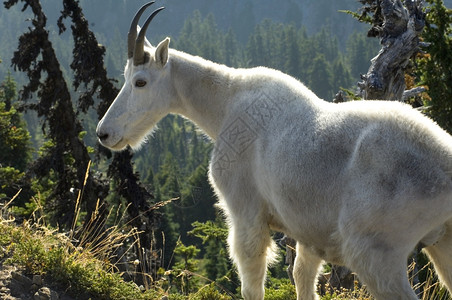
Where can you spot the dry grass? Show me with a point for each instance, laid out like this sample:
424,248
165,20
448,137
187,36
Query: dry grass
430,289
84,260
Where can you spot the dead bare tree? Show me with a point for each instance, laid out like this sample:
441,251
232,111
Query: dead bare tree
398,27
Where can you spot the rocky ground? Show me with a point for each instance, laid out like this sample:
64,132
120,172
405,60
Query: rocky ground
14,285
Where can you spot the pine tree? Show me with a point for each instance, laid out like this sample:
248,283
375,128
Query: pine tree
185,267
359,53
341,75
197,202
320,78
202,37
231,50
326,43
255,49
435,68
67,157
15,150
167,187
212,40
213,234
292,52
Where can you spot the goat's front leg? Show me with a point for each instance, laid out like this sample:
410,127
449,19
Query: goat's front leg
250,247
305,273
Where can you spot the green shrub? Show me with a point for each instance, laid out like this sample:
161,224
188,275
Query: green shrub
280,289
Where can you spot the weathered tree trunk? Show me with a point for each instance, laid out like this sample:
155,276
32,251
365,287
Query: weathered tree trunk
398,26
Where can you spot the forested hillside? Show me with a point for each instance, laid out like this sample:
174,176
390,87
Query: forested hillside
311,40
290,36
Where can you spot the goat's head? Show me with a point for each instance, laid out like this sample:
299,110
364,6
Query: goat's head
143,99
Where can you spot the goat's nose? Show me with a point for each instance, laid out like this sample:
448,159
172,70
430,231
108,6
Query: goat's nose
102,135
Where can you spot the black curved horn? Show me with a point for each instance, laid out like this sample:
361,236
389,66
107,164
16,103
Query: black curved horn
132,36
138,55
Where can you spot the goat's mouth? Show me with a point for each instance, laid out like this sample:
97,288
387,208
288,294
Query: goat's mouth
118,146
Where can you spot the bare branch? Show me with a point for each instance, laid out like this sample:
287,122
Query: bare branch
413,92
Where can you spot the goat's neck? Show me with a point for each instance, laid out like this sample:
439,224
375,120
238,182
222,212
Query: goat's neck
204,91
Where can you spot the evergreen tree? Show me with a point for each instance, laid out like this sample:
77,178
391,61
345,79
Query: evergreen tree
341,75
435,68
327,44
212,40
185,267
168,187
256,49
186,41
213,234
359,53
202,37
232,53
292,52
67,156
197,202
15,150
62,165
320,78
306,53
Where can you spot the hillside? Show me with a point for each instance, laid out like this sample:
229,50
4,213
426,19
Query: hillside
240,16
110,19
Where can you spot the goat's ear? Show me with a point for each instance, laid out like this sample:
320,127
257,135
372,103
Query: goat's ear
161,52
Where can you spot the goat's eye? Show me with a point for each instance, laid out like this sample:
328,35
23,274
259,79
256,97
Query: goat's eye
140,83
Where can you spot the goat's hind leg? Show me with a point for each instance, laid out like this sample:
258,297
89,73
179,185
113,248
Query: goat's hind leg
440,254
305,273
381,268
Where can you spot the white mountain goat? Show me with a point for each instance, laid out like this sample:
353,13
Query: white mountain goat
359,184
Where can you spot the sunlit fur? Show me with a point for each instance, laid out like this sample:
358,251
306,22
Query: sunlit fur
358,184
